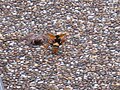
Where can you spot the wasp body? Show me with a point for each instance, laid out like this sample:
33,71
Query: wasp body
55,41
46,40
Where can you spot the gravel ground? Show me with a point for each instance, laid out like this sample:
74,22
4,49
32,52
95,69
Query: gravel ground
90,58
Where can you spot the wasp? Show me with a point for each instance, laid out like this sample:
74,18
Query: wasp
46,40
55,41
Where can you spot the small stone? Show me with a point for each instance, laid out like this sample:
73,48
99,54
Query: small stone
52,82
115,1
34,8
95,86
4,60
32,84
18,87
1,36
43,0
23,76
118,73
36,65
68,88
40,82
22,58
33,88
18,60
12,43
116,84
53,87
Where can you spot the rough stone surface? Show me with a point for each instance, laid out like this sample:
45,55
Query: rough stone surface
89,60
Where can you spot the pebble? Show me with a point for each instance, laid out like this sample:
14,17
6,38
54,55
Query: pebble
32,84
22,58
1,37
68,88
35,64
53,87
95,86
40,82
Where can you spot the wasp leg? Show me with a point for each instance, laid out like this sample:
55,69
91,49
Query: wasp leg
54,50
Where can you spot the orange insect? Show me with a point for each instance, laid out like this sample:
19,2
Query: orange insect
55,41
46,40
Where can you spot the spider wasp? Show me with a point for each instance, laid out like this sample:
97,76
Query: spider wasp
47,40
55,41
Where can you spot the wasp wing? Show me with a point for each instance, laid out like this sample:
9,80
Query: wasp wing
62,37
51,37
